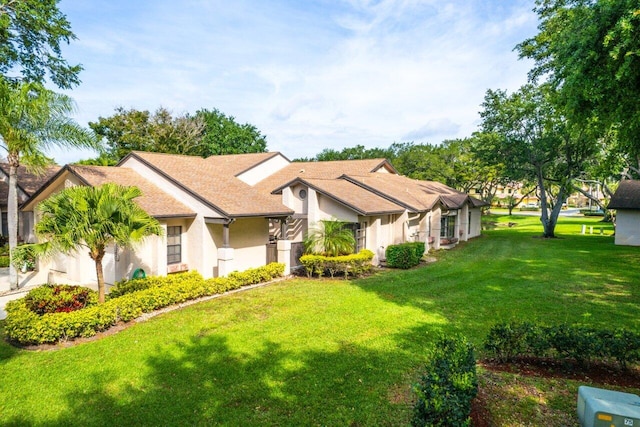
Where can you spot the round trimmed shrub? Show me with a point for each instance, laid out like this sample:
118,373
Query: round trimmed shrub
59,299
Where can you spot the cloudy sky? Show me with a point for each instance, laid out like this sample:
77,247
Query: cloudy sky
309,74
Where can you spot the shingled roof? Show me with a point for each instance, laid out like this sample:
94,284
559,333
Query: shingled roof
415,195
206,179
154,201
627,196
321,170
28,182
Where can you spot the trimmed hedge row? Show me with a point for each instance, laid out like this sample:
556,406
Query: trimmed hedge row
448,386
354,265
23,326
506,341
404,255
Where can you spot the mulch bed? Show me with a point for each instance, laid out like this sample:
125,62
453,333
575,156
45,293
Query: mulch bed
595,373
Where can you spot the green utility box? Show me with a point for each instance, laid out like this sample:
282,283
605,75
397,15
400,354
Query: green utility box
607,408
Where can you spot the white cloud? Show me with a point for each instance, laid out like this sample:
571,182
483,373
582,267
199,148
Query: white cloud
309,75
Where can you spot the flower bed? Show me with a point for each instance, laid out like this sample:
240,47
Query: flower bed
24,326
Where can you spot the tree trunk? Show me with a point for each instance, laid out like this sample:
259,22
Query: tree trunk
12,216
99,274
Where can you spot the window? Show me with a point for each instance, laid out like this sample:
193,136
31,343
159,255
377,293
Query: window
174,244
447,226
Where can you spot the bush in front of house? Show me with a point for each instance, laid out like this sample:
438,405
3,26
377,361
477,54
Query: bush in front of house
59,298
404,255
507,341
348,265
4,261
448,386
24,326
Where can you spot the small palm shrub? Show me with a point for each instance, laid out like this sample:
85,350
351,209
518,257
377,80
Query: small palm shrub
330,238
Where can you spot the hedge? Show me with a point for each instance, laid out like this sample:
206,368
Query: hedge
405,255
507,341
23,326
354,265
448,386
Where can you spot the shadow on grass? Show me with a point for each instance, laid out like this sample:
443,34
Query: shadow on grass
7,351
204,382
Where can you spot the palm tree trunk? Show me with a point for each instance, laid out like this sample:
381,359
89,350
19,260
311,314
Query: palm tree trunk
12,216
100,276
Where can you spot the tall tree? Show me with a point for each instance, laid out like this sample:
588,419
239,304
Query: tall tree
129,130
93,218
589,51
534,141
33,119
204,134
223,135
31,35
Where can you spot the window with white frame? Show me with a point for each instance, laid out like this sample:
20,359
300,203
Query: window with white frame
174,244
448,226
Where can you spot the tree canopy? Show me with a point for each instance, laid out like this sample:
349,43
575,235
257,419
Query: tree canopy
589,52
31,35
534,141
206,133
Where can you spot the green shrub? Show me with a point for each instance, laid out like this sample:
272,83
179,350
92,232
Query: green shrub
24,326
507,341
59,298
347,265
448,385
127,286
405,255
4,261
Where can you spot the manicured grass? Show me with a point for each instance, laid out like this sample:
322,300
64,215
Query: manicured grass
325,352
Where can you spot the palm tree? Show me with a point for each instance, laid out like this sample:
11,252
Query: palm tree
33,119
93,218
330,237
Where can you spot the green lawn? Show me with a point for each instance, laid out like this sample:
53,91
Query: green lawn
322,352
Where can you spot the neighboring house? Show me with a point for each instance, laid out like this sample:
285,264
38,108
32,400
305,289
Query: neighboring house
28,183
234,212
626,202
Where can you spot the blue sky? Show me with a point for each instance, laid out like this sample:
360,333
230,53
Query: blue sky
308,74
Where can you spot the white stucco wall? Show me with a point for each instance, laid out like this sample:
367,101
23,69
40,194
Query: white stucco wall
627,227
330,209
264,169
476,222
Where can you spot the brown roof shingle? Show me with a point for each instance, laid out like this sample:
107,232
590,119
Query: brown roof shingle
154,201
209,181
414,194
29,182
627,196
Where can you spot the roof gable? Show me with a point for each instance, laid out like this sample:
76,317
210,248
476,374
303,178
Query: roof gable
627,196
28,182
153,200
212,181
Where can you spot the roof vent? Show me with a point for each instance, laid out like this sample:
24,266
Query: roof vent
301,170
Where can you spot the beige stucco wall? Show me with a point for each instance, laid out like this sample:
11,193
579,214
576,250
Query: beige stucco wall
627,227
248,238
